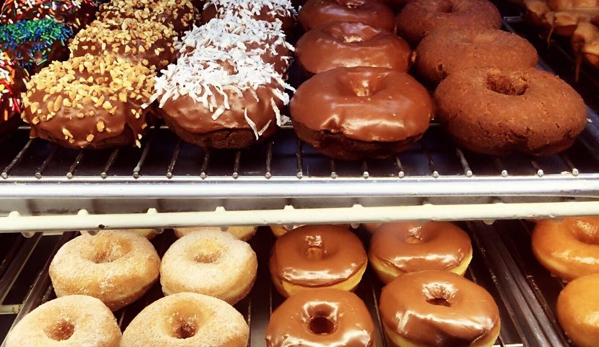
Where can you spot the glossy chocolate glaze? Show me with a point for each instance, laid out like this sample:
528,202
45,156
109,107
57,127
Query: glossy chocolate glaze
438,308
315,256
413,246
372,12
364,103
293,323
347,44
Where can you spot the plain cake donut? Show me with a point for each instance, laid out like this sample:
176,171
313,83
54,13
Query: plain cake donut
186,320
568,248
117,267
372,12
70,321
577,308
438,308
497,112
211,263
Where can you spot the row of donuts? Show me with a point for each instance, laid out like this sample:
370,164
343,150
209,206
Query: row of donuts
315,266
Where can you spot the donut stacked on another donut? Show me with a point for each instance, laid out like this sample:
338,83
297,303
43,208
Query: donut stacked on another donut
375,13
70,321
263,10
12,83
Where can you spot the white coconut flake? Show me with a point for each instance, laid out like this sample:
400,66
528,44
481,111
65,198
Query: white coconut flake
251,123
248,8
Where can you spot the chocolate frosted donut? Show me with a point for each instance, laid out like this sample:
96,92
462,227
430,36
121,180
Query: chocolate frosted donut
438,308
420,17
444,52
361,112
372,12
350,44
263,10
493,111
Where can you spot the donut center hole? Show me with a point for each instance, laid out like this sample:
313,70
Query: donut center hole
110,252
506,85
585,232
61,330
413,240
315,249
438,302
185,330
439,294
321,326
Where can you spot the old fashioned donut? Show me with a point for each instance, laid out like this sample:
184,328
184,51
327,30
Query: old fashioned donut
438,308
577,308
493,111
187,319
350,44
117,267
361,112
321,317
313,257
568,248
211,263
421,17
70,321
244,233
375,13
444,52
399,248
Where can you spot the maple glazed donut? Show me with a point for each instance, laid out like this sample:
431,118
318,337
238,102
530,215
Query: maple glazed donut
187,319
321,317
349,44
444,52
372,12
117,267
568,248
577,308
399,248
244,233
313,257
420,17
211,263
361,112
70,321
438,308
497,112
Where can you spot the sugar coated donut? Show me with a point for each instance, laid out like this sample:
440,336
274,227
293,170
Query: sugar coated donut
117,267
211,263
499,111
399,248
186,320
443,52
321,317
568,248
577,308
438,308
244,233
147,233
70,321
372,12
313,257
421,17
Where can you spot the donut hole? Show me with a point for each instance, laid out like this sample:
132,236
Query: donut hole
184,326
109,252
207,253
585,232
439,294
507,85
320,325
61,330
412,239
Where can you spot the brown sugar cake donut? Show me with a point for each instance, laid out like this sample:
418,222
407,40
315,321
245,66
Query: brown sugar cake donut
117,267
89,102
211,263
187,319
493,111
321,317
577,308
314,257
420,17
438,308
350,44
372,12
70,321
568,248
444,52
243,233
263,10
399,248
361,112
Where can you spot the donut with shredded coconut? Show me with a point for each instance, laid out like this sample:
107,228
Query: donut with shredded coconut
187,319
117,267
262,10
70,321
211,263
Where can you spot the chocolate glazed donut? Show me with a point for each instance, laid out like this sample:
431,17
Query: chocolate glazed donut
361,112
371,12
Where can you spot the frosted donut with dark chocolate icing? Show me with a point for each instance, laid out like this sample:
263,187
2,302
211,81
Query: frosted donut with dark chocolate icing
438,308
372,12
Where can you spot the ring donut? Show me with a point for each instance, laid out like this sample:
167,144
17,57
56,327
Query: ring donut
577,308
372,12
